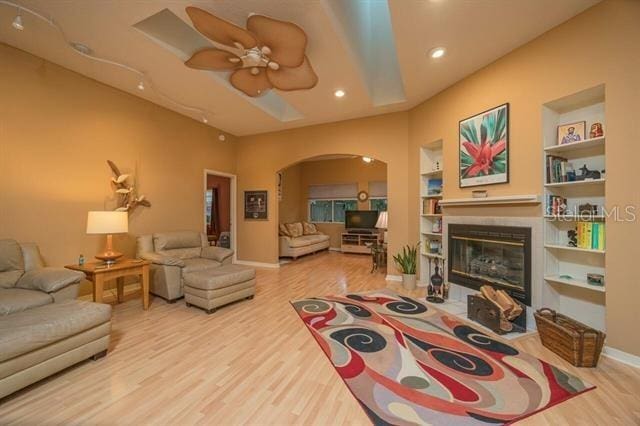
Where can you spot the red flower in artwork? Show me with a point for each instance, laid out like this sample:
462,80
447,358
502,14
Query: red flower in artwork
483,156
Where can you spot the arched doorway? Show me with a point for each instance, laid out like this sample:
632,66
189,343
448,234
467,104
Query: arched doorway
332,195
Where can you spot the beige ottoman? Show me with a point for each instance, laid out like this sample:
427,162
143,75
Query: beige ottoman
215,287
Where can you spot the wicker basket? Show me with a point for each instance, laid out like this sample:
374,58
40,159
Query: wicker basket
577,343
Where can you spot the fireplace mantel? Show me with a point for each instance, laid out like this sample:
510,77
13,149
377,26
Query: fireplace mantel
488,201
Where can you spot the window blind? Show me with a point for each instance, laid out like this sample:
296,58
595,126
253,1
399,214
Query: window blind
378,189
333,192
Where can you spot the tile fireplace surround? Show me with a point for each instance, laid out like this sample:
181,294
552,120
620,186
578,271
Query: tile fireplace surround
458,294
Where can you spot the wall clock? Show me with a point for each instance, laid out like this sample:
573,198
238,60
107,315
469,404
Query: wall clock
363,196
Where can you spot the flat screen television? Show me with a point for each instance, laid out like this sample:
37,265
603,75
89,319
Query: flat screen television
360,219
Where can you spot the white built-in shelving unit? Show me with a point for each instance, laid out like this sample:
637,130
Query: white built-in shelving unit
566,268
430,168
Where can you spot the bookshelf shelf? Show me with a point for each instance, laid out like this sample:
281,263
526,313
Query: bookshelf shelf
433,234
577,249
433,173
569,218
573,282
577,146
433,255
566,268
575,183
430,214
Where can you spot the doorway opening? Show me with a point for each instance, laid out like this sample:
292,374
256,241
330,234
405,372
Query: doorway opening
219,209
336,202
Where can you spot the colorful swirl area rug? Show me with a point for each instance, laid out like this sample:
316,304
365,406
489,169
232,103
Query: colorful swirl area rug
408,363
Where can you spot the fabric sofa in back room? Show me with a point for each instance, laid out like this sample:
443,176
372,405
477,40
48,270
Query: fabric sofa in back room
300,238
43,329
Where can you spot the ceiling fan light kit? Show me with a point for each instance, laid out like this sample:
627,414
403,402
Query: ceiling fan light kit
268,54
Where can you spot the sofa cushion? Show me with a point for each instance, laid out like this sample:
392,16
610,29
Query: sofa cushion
26,331
199,264
176,240
307,240
182,253
221,277
49,279
14,300
295,229
309,228
283,231
11,263
31,256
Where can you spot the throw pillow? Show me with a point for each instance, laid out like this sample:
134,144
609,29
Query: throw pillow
284,232
295,229
309,228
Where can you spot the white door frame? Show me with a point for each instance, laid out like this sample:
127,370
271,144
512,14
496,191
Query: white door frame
233,206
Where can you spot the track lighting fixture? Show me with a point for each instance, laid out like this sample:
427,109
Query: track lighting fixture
17,22
141,85
204,120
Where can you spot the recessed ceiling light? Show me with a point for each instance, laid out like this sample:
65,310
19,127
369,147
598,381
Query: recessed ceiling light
81,48
367,159
17,23
339,93
437,52
221,137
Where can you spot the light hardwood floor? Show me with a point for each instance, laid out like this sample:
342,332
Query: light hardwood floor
254,362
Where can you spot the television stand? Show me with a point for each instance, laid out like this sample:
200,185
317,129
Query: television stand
356,242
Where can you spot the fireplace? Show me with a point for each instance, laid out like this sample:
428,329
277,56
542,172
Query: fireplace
495,255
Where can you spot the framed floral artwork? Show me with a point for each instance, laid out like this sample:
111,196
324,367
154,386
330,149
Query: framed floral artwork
484,148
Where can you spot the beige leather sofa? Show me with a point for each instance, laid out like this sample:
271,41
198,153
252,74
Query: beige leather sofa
295,245
174,254
42,328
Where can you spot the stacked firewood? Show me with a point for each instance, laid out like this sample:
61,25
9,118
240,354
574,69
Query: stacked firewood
509,309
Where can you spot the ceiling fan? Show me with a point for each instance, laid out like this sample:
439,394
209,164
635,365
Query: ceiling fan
268,54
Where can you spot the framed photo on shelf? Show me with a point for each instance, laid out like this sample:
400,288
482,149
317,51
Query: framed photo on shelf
255,205
484,147
572,132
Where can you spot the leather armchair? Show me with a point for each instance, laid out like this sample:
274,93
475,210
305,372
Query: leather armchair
174,254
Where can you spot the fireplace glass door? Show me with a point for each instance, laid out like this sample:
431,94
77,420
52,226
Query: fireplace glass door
491,261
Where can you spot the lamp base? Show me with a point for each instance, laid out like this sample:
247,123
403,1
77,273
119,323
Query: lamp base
109,257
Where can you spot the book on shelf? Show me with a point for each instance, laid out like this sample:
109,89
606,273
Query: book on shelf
591,235
559,170
431,206
556,205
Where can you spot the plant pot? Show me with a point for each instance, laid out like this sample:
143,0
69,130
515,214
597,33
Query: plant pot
409,281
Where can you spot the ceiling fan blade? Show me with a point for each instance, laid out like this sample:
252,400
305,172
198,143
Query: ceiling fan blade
297,78
219,30
252,85
213,59
286,40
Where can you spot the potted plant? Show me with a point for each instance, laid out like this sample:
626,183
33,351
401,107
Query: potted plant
406,262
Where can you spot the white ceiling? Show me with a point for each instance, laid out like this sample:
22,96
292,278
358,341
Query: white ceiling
475,33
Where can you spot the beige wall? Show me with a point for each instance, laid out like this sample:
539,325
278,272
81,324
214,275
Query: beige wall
598,46
289,208
382,137
298,178
57,129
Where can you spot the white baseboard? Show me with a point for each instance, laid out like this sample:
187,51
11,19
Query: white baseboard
335,249
258,264
393,277
623,357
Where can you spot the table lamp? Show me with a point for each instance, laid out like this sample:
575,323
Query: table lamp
383,219
108,222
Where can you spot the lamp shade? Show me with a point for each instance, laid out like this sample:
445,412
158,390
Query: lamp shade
107,222
383,218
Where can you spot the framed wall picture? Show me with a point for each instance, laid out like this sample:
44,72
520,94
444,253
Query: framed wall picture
484,148
572,132
255,205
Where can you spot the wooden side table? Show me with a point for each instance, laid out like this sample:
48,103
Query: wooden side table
98,273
